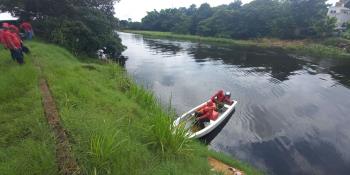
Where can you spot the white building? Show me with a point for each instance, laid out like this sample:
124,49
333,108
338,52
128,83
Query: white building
341,13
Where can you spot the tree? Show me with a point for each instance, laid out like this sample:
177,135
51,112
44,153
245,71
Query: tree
237,4
151,21
81,26
203,12
325,27
287,19
306,13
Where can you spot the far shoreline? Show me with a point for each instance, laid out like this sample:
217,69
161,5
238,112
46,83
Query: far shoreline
298,47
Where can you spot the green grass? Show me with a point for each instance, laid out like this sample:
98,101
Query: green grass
114,126
26,143
302,47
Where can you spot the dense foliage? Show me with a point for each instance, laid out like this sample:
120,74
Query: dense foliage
259,18
82,26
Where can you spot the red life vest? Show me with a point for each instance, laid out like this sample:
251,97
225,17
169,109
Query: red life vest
16,40
26,26
11,40
219,96
214,116
209,111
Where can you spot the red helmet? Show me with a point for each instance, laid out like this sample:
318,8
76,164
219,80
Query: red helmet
12,27
5,25
221,92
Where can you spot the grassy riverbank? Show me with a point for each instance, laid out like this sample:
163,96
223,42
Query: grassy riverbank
26,143
113,125
300,47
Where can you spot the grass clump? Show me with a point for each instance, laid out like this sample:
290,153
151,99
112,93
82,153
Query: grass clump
161,134
322,49
26,142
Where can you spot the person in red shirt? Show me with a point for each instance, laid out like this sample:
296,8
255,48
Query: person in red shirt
12,42
1,38
220,98
28,29
14,29
206,113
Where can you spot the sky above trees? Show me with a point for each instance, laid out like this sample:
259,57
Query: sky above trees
6,16
137,9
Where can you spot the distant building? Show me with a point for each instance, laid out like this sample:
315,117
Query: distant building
341,13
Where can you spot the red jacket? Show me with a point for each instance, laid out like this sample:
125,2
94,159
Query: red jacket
11,40
208,112
220,97
14,28
26,26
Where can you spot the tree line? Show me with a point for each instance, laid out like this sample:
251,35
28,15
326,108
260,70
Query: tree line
82,26
286,19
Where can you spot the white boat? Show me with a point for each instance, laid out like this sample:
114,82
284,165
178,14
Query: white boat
188,120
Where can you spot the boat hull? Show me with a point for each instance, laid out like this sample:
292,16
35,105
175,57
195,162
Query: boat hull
210,127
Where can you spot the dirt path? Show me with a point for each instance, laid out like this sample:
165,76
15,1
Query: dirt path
66,163
223,168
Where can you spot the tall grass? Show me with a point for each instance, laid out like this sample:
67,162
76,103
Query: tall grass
26,142
161,134
104,147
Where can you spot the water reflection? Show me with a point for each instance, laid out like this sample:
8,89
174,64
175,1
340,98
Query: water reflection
121,60
279,65
292,115
163,48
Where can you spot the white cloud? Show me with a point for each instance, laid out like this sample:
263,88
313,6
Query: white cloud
6,16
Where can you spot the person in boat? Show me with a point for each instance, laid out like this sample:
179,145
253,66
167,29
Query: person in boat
220,99
206,113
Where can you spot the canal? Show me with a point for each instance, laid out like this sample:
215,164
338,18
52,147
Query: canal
293,113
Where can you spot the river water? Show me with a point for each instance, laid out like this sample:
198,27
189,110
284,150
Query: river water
293,113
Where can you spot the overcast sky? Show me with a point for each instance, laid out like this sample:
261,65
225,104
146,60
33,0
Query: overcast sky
137,9
5,16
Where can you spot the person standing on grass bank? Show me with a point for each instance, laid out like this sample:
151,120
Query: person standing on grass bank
1,38
221,98
13,43
28,29
14,29
206,113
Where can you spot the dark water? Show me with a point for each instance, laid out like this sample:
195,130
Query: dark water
293,114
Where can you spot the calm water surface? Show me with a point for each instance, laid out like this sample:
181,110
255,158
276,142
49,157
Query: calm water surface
293,114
